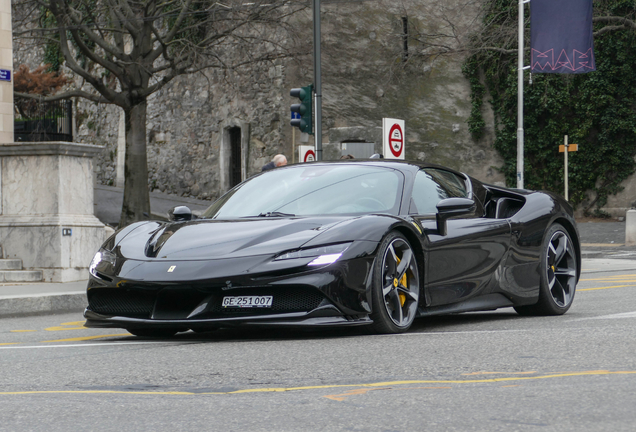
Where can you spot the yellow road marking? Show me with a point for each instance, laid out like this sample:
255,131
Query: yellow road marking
62,328
101,392
21,331
426,388
73,325
610,277
286,389
354,392
622,281
10,343
83,338
602,288
616,280
343,396
500,373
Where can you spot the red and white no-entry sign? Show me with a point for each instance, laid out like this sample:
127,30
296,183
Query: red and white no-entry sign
393,138
306,154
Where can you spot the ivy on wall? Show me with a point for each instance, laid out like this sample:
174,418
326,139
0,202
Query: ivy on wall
52,52
596,110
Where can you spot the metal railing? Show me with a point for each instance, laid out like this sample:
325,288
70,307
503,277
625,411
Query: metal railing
48,121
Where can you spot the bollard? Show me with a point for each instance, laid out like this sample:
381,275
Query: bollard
630,228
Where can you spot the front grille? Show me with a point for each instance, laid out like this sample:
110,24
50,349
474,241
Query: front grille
129,303
179,303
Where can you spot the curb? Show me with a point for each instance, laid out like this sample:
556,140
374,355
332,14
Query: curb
42,304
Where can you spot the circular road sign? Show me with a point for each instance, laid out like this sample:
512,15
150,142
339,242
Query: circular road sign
396,140
310,156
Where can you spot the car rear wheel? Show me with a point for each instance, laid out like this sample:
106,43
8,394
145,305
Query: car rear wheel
153,332
558,275
396,286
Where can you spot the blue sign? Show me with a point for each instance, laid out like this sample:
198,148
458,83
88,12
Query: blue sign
295,115
561,36
5,75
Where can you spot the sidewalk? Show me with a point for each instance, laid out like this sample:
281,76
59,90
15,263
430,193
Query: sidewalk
42,298
602,249
109,199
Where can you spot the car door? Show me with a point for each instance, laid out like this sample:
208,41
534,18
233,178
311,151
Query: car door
464,262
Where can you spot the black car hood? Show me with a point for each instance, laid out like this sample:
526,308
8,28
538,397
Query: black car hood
214,239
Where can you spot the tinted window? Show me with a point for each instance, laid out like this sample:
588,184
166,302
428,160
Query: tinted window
433,185
314,190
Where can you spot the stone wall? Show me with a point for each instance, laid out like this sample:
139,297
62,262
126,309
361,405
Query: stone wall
366,76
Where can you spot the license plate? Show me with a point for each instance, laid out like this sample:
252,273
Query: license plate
248,301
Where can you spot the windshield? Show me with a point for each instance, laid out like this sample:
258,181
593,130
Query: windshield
313,190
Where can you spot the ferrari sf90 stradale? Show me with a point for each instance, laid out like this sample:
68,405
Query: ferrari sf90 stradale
374,242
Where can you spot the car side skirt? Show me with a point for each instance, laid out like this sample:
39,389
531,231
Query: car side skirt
481,303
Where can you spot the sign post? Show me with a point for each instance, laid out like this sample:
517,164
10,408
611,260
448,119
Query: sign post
294,116
393,132
565,149
317,80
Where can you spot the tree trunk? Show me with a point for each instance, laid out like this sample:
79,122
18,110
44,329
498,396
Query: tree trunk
136,204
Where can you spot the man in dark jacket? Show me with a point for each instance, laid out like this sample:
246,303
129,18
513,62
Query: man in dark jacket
279,160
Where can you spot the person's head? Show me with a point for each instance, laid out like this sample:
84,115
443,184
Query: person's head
279,160
348,156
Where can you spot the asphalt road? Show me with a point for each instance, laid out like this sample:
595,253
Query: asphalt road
492,371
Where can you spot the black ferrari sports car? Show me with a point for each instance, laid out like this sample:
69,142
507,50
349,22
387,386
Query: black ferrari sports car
372,242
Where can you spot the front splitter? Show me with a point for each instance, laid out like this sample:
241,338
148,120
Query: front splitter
301,319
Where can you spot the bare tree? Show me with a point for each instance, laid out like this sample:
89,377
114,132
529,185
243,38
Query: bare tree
472,26
128,49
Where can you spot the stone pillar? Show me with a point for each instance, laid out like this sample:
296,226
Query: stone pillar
630,228
46,207
6,63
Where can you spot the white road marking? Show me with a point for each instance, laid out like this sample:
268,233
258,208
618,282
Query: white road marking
612,316
431,333
94,344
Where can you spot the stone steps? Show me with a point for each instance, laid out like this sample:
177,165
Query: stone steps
11,271
10,264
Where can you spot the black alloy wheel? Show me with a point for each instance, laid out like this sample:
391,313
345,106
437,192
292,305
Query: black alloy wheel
559,273
396,286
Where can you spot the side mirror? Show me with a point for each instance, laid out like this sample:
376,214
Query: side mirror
450,207
180,213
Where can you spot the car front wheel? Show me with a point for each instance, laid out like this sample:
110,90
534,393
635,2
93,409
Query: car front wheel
396,286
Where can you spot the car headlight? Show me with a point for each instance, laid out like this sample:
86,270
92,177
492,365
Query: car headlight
324,254
102,259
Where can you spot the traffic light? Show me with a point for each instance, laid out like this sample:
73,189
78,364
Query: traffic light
304,109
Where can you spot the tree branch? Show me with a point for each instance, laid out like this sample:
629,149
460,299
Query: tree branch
66,95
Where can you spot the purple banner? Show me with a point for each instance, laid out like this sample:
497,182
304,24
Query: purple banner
561,36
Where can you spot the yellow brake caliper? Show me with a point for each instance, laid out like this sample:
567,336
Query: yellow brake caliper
403,281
